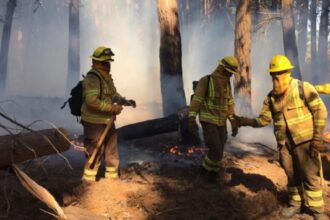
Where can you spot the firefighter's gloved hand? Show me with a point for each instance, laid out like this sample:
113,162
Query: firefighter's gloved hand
116,109
234,126
316,146
132,103
192,126
243,121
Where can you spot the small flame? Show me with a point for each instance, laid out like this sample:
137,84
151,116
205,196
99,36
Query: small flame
176,150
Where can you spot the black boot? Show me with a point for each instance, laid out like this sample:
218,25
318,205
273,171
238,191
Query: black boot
208,176
212,177
290,211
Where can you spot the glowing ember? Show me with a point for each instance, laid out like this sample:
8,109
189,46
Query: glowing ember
184,151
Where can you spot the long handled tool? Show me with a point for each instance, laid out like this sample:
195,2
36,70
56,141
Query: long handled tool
321,171
97,151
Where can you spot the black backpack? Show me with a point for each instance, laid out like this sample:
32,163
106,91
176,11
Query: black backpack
76,99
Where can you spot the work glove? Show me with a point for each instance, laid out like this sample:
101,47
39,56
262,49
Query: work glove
132,103
116,109
243,121
234,126
192,126
315,148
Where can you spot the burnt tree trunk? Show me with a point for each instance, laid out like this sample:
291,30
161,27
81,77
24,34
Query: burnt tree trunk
312,19
170,54
242,81
289,36
149,128
302,30
28,146
5,40
74,45
323,39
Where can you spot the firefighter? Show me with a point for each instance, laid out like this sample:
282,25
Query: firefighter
299,118
96,110
213,102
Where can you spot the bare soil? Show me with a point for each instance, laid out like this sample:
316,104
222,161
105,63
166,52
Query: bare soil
251,186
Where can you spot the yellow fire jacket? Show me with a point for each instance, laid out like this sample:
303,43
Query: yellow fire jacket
97,97
213,99
303,117
323,89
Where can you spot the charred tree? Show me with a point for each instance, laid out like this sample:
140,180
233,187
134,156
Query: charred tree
170,54
289,36
242,81
28,146
302,29
74,45
312,19
5,40
323,39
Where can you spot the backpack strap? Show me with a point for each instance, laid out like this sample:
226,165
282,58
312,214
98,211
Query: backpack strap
94,73
301,95
302,91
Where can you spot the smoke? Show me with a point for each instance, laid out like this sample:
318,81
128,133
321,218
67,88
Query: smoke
38,54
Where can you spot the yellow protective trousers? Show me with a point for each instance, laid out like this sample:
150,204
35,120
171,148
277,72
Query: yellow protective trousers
92,132
215,138
303,172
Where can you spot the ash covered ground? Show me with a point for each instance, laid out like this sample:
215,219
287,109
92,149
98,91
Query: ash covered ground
159,180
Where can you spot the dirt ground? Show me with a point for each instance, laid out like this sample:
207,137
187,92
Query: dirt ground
251,186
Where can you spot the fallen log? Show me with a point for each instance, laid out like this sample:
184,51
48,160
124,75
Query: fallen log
176,122
26,146
149,128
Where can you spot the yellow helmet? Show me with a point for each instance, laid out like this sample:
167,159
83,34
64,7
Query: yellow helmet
103,54
230,63
280,63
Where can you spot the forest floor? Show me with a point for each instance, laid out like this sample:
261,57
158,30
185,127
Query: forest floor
160,181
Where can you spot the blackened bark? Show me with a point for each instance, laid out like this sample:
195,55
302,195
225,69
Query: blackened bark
170,55
28,146
312,19
5,40
74,45
302,29
323,39
242,81
289,36
149,128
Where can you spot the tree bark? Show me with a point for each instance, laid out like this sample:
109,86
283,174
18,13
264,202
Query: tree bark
5,40
242,81
289,36
149,128
312,18
74,45
323,39
302,30
27,146
170,56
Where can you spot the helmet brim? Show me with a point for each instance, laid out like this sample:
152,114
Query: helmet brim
226,68
102,59
274,70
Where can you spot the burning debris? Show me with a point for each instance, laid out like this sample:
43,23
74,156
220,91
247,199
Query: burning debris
186,151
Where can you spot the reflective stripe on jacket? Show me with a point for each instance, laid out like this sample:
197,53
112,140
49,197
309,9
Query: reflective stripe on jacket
290,113
97,103
213,99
